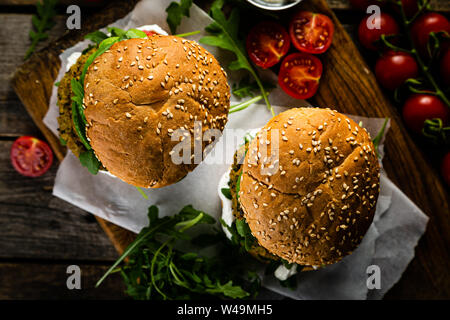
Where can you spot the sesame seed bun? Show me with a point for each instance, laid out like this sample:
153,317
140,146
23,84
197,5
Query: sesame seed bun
142,90
318,205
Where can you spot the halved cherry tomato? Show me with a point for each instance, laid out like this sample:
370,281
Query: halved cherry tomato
267,43
311,32
30,156
300,74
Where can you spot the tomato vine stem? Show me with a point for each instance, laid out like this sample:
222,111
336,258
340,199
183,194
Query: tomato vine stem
425,70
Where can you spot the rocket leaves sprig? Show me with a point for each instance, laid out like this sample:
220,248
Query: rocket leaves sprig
42,22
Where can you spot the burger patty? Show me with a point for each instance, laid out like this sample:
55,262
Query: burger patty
66,127
256,251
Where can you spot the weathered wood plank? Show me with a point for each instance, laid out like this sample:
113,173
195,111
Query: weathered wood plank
34,224
13,50
15,121
25,280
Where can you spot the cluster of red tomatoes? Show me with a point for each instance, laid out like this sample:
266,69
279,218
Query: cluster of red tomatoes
393,67
300,72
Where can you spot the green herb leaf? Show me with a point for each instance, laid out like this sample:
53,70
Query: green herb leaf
377,140
175,12
96,36
62,141
226,192
157,270
90,161
229,290
116,32
42,22
224,34
135,33
79,126
245,88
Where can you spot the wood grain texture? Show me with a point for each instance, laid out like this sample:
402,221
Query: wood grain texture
47,281
36,225
347,85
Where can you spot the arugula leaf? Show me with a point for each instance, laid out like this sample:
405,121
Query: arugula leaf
245,88
226,192
377,140
224,34
103,42
175,12
96,36
42,22
79,126
156,270
135,33
90,161
116,32
62,141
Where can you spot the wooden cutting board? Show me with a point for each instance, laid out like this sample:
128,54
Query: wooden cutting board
347,85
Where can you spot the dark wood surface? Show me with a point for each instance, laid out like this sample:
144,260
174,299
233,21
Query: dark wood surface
41,235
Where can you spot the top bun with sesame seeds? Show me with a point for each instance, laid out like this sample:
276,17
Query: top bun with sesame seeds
139,93
316,199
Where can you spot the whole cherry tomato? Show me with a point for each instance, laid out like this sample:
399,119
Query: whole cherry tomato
267,43
421,28
445,168
311,32
367,36
300,74
30,156
420,107
445,67
394,68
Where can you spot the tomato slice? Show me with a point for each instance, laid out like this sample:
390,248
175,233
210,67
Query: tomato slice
300,74
267,43
311,32
150,33
30,156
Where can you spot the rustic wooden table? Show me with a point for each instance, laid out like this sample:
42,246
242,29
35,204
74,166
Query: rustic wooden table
41,235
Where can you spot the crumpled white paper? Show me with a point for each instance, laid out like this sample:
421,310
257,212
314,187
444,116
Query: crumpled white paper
389,243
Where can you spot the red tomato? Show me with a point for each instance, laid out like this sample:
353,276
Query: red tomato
445,168
421,28
420,107
394,68
445,67
150,33
367,36
311,32
300,74
30,156
363,4
267,43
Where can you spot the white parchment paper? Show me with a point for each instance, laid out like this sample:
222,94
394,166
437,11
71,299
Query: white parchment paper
389,243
